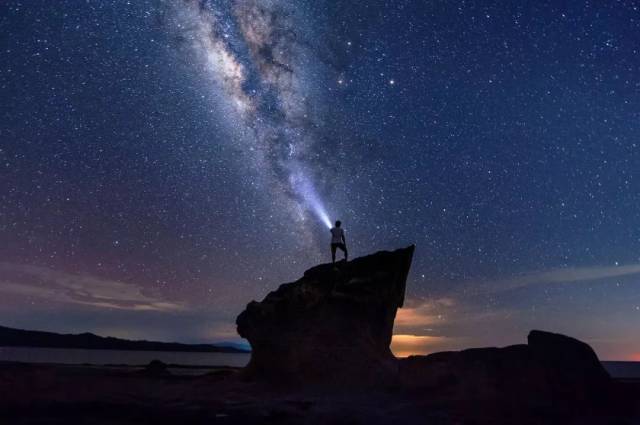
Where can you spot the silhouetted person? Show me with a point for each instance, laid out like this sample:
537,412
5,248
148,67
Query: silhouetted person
338,241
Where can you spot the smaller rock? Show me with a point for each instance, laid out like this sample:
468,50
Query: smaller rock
550,370
571,366
156,368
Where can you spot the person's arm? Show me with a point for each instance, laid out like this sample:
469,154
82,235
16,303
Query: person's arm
344,240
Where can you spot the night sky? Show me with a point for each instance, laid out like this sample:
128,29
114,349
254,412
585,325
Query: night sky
163,163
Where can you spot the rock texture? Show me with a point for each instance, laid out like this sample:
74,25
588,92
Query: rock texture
333,325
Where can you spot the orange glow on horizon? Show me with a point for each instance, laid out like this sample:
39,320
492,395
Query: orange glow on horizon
403,345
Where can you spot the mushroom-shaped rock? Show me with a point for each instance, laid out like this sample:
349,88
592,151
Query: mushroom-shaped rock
333,325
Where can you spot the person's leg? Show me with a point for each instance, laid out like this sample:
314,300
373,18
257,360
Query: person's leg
343,248
333,253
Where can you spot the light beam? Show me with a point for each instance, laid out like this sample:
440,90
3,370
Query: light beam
305,190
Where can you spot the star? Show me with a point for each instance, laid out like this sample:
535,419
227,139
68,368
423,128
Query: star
208,145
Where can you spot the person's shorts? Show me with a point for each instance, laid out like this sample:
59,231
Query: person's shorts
338,245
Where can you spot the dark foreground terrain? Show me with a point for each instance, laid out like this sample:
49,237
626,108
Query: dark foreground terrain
320,355
58,394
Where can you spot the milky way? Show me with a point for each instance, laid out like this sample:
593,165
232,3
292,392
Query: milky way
257,59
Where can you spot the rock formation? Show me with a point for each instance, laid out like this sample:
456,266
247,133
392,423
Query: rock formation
550,367
333,325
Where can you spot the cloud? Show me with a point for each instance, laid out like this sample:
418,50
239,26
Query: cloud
83,289
423,313
421,326
563,275
428,325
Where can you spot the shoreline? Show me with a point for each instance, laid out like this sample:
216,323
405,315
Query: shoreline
612,366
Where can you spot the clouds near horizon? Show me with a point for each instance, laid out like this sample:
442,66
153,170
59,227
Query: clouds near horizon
83,289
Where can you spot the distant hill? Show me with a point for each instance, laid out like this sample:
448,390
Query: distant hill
10,337
242,346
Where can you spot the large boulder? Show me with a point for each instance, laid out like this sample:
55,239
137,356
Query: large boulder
551,369
572,368
334,325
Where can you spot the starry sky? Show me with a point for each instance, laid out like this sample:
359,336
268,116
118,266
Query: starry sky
164,162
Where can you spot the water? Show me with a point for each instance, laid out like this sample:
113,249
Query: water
119,357
623,369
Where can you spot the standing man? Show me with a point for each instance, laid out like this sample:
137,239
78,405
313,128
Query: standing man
338,241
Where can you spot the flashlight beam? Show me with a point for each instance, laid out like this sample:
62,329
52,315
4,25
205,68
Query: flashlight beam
303,187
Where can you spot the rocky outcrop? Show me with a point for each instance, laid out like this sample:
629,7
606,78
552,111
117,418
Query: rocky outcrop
333,325
551,368
156,368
